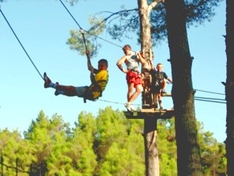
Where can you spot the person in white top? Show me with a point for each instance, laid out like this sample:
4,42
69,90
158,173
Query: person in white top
133,74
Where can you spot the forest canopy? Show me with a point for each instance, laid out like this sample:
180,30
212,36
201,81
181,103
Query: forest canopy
106,144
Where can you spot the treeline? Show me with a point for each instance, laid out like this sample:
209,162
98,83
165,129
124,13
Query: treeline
104,145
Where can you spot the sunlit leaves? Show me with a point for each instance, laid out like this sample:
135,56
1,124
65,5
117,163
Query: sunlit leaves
108,144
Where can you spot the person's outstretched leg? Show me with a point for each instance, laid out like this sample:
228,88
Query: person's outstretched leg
60,89
65,90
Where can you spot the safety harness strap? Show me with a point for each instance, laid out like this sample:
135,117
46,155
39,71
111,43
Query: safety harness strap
94,86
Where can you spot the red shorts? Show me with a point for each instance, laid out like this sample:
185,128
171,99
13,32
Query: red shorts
134,77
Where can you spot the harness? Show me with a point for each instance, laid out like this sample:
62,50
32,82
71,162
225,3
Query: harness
93,87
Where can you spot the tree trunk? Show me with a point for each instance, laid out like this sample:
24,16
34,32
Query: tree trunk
151,150
188,151
146,48
229,88
150,133
145,29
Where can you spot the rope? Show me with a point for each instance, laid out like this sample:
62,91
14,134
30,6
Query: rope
82,31
70,14
21,44
86,48
209,92
210,101
204,99
108,41
114,102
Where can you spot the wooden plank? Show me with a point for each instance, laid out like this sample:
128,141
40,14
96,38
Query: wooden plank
152,110
149,113
166,94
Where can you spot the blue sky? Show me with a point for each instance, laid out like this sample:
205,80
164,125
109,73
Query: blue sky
43,28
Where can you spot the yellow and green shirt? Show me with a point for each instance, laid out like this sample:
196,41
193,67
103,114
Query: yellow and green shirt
99,83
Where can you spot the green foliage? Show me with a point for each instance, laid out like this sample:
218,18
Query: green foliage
167,147
120,161
212,153
108,144
123,23
81,146
115,149
13,151
81,40
197,12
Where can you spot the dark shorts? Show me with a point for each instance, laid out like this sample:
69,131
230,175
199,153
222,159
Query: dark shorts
156,89
84,92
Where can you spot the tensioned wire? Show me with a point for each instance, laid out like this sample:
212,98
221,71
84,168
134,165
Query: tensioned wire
21,44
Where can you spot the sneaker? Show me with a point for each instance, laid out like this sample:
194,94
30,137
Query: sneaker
161,108
56,93
129,107
47,81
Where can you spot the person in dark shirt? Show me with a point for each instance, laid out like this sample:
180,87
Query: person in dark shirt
159,78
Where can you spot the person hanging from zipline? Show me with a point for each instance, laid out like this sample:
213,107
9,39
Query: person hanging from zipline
99,79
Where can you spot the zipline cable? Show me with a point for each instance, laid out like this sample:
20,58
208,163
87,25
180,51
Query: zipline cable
209,101
204,99
209,92
216,99
70,14
82,30
107,41
20,43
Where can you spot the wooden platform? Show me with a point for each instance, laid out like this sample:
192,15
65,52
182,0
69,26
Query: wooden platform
166,94
150,113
